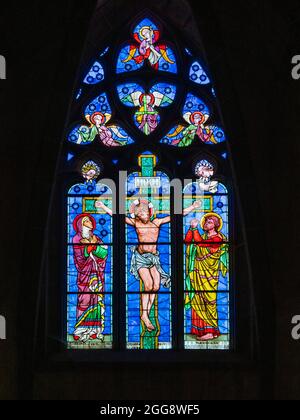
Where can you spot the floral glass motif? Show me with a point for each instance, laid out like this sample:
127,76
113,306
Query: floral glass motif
147,117
89,264
196,113
206,251
146,48
98,114
198,75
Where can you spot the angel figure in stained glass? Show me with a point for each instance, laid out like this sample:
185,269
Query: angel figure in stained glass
196,113
147,37
111,136
186,135
147,117
98,114
98,128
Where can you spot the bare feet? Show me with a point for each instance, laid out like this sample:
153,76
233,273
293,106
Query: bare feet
206,337
150,327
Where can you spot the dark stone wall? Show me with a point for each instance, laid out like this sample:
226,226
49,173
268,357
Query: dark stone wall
249,48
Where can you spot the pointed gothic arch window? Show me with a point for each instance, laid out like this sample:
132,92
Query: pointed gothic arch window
139,275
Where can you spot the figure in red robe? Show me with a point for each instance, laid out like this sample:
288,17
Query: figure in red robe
90,256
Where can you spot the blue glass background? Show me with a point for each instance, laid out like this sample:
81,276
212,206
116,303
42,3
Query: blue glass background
95,75
128,89
131,65
145,22
198,75
165,89
195,104
99,104
168,67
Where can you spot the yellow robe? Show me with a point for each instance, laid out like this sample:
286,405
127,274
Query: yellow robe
204,268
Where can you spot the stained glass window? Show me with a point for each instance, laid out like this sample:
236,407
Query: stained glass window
89,266
146,48
196,115
206,255
98,114
133,274
148,263
147,116
198,75
95,75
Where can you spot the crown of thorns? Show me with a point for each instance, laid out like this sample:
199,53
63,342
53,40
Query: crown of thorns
141,203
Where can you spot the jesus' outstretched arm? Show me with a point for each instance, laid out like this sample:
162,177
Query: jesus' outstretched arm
162,221
197,205
101,206
130,222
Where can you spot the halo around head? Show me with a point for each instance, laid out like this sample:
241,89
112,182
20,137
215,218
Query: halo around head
141,202
202,116
203,220
80,217
91,166
97,114
142,31
206,164
147,95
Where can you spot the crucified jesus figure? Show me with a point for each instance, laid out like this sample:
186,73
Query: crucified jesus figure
145,263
